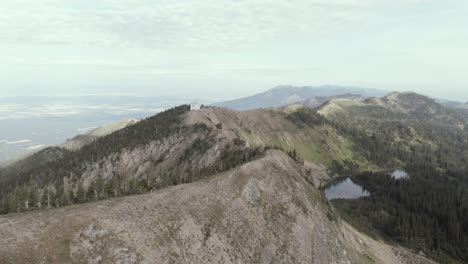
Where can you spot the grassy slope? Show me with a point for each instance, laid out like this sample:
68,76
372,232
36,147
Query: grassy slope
319,144
415,123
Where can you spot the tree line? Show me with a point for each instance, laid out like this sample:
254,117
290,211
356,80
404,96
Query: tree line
427,212
32,196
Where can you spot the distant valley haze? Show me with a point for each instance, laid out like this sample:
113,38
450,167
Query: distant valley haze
31,123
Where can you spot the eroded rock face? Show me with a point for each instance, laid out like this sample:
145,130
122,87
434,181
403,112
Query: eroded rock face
149,159
262,212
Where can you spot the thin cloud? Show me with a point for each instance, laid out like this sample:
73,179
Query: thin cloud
210,23
62,110
145,46
16,142
35,147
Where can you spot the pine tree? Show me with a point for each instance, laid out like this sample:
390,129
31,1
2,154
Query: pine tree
45,199
100,187
71,197
91,194
33,193
21,200
80,194
51,201
132,186
5,204
113,187
15,203
65,199
58,197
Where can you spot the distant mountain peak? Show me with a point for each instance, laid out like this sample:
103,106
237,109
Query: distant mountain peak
406,101
396,102
336,105
282,87
317,101
395,94
284,95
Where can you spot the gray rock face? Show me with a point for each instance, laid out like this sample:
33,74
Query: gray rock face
262,212
148,160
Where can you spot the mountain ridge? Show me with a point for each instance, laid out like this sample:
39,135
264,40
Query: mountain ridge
397,102
285,95
317,101
192,223
184,147
407,102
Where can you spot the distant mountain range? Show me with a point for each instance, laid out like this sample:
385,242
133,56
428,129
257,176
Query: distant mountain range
287,95
246,180
234,193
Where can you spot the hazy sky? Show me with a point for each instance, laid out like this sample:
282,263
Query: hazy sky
219,49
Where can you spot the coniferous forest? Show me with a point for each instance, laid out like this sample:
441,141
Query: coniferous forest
427,212
38,183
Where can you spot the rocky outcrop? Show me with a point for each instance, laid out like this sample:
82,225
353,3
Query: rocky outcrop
150,160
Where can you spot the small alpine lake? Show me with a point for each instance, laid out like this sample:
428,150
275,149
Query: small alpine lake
345,188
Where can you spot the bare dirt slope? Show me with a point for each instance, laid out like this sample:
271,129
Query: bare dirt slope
262,212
